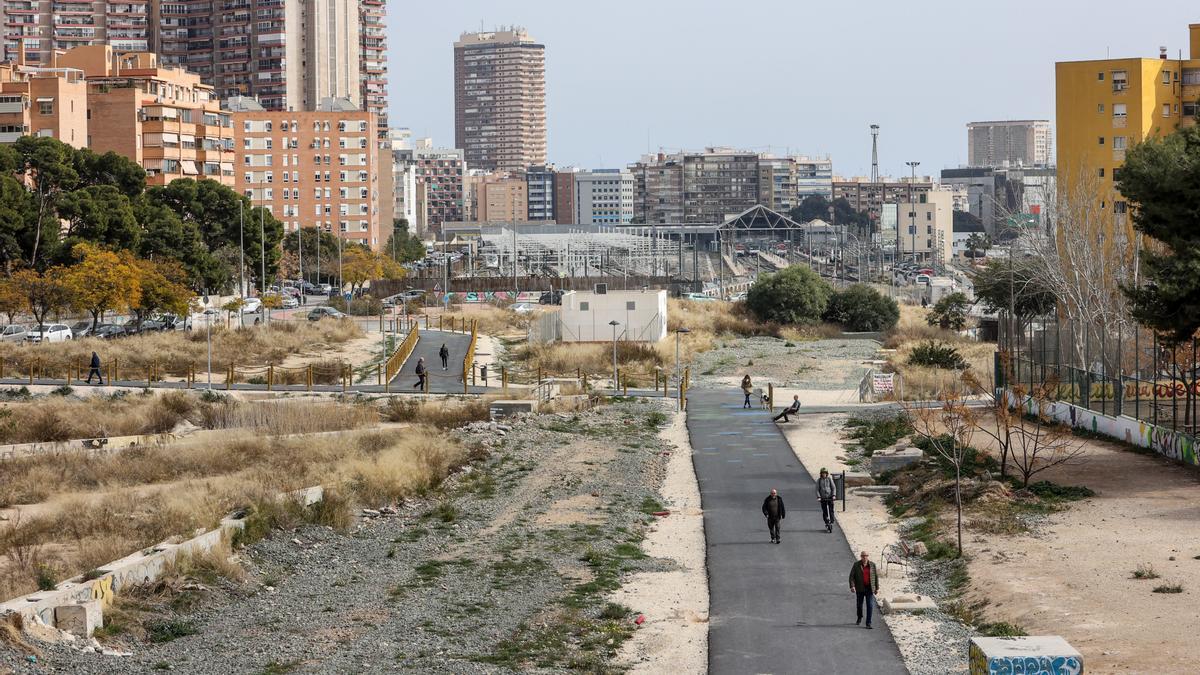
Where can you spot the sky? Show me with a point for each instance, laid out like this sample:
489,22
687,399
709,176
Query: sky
799,76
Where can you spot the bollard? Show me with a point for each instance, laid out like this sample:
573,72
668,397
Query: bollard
270,375
440,317
114,371
425,388
504,378
472,375
379,373
539,375
68,374
344,377
771,398
625,387
229,377
149,376
31,372
308,379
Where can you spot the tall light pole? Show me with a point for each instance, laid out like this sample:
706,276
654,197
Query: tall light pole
912,211
242,260
614,323
262,243
208,326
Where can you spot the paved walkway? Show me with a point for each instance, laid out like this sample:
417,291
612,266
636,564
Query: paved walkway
773,608
441,381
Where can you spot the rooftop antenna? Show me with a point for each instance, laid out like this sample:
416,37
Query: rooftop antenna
874,153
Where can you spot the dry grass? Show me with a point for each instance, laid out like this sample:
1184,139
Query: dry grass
443,414
55,418
12,635
493,319
922,382
91,510
177,351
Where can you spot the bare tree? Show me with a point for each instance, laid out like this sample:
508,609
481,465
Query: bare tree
1040,442
1001,419
1085,255
947,426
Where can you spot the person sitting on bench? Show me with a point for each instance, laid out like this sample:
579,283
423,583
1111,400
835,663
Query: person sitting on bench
792,409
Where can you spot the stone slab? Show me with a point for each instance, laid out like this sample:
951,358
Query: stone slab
883,461
858,479
1041,654
907,603
508,408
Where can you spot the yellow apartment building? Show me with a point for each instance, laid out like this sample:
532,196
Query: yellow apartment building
43,101
1106,106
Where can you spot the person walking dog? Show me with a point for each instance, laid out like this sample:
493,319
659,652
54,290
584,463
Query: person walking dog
826,493
445,354
421,374
747,389
94,369
792,409
773,509
864,583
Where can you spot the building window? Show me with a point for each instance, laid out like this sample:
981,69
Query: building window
1166,110
584,306
1102,172
45,106
1119,142
1101,140
1166,77
630,306
1100,76
1100,108
1118,109
1119,80
1120,207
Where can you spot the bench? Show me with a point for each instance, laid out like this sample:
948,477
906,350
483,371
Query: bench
896,554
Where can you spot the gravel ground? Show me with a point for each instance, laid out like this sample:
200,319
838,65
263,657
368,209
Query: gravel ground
506,569
816,364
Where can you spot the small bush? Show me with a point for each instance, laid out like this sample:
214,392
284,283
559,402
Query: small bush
1054,492
1169,588
1001,629
877,434
170,630
64,390
935,354
655,419
46,577
1145,571
861,308
19,394
614,611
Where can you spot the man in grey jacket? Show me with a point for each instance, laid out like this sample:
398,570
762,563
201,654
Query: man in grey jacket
826,493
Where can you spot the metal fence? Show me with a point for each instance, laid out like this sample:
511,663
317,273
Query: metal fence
1118,370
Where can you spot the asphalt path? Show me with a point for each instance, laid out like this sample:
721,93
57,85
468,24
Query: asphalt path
783,608
441,381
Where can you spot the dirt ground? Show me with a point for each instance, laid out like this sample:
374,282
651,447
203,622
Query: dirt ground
674,636
1075,577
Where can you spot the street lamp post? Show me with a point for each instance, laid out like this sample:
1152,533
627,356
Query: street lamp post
912,210
677,333
242,262
614,323
208,327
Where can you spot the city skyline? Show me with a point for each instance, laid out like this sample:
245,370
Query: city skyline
670,82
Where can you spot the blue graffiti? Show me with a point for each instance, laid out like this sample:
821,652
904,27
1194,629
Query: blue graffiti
1035,665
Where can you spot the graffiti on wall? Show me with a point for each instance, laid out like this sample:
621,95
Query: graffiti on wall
493,296
1178,446
981,664
1106,390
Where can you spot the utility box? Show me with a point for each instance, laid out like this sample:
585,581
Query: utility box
502,409
1042,654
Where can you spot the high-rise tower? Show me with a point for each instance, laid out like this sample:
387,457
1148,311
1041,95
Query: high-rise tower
500,100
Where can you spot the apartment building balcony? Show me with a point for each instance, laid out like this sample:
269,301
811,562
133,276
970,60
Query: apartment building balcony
75,33
63,7
21,8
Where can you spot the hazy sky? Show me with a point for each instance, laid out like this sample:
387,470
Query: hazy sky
790,76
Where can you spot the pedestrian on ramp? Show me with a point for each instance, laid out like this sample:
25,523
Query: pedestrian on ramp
422,373
747,389
773,509
445,354
864,583
826,494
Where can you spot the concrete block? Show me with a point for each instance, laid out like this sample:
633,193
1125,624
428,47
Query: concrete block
502,409
907,603
81,618
893,458
858,479
875,490
1035,654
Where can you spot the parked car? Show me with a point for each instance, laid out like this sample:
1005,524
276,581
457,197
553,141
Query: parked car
289,302
319,313
252,306
81,329
522,308
109,331
50,332
324,288
13,333
698,297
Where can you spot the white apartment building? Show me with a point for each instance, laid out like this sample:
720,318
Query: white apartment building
603,196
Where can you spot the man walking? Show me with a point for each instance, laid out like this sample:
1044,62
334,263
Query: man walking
445,354
864,582
421,374
772,508
792,409
826,493
94,369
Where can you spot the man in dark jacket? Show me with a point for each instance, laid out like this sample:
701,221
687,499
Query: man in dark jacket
772,508
94,369
864,582
445,354
792,409
826,493
421,374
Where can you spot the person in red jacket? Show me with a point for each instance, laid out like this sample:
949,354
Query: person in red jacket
864,582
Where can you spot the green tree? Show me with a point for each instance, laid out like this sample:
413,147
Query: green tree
164,286
995,283
110,169
47,165
44,292
862,308
950,312
98,214
1161,180
813,206
17,215
402,246
793,295
167,236
978,244
307,238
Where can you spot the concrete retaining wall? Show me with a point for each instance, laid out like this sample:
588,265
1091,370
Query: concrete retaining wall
1173,444
1037,654
138,568
91,446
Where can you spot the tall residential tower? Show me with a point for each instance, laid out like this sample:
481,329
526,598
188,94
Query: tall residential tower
500,100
